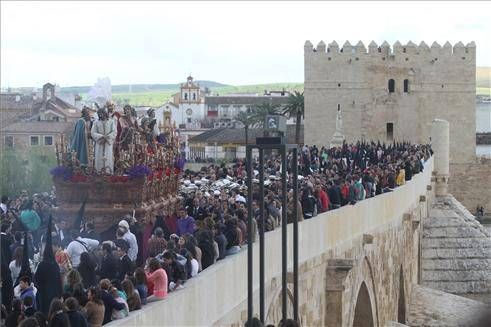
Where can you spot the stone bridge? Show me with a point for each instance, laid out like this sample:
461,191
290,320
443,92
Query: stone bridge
384,261
357,267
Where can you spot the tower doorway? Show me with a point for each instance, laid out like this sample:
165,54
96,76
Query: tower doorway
390,132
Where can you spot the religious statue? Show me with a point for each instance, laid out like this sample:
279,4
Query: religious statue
116,116
149,128
128,128
104,133
80,137
339,121
338,137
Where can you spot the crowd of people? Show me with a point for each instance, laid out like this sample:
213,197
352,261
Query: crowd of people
54,275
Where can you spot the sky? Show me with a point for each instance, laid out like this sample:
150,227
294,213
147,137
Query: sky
74,43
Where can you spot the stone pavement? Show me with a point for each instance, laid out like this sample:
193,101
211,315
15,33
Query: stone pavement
430,307
456,251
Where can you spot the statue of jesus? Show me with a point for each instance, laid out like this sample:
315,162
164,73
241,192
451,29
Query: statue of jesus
104,133
339,121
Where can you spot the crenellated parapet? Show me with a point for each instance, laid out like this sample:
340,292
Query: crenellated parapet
385,49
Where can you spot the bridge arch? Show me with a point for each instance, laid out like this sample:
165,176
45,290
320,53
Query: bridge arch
363,310
273,313
364,280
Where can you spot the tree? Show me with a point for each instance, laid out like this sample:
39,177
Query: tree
247,120
295,108
26,171
261,111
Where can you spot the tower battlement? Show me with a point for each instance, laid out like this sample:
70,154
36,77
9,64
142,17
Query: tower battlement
385,49
391,92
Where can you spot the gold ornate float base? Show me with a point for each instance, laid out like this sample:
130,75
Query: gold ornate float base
107,202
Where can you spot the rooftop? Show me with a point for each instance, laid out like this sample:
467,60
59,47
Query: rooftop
39,127
237,135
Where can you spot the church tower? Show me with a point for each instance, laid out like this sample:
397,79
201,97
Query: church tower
190,92
191,104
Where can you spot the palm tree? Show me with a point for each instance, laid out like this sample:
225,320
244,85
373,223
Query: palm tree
261,111
247,120
295,107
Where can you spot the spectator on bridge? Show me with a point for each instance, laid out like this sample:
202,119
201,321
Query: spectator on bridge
72,278
95,309
110,303
124,232
158,277
87,270
133,300
57,314
4,205
74,315
157,243
109,264
126,266
185,223
141,283
78,246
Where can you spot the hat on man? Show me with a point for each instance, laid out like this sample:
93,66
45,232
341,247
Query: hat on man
124,223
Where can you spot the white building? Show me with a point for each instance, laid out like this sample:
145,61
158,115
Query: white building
222,110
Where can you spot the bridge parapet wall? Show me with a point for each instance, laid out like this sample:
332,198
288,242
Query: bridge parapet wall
364,233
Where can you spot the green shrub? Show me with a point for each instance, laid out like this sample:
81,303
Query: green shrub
26,171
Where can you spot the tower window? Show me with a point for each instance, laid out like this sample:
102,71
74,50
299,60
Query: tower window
185,96
406,86
194,96
379,50
392,85
339,84
339,107
404,50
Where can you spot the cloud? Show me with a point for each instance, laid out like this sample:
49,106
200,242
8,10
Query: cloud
73,43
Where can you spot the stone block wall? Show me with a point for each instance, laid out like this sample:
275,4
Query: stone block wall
441,85
471,184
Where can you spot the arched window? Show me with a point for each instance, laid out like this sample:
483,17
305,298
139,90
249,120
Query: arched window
406,86
392,85
339,107
194,96
185,96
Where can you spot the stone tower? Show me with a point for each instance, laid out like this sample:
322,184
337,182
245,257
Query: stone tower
391,93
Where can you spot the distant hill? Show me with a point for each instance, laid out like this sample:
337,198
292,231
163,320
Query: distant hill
125,88
158,97
157,94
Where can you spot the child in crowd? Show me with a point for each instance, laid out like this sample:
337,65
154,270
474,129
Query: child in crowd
121,313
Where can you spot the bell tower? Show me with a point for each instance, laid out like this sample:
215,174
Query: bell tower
190,92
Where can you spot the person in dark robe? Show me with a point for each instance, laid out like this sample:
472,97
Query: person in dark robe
80,137
25,269
47,278
7,286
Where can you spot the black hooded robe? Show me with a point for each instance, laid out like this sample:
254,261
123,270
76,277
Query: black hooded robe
47,278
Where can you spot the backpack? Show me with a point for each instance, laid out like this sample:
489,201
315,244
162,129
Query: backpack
93,257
